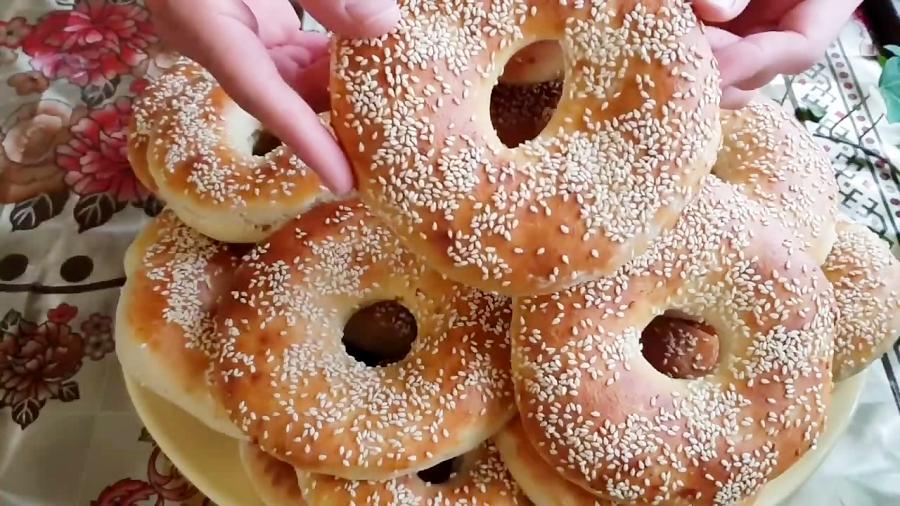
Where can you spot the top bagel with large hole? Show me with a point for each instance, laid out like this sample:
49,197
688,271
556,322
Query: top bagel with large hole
636,129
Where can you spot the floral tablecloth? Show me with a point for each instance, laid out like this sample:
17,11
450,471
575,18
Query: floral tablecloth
69,206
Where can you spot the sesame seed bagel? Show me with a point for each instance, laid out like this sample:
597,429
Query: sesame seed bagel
599,412
291,385
476,477
274,481
164,329
538,480
634,133
200,145
776,162
866,279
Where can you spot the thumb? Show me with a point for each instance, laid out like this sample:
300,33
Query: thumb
719,11
354,18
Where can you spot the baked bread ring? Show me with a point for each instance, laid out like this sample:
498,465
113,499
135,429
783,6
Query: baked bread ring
607,420
477,477
774,161
866,279
274,481
164,329
290,384
200,155
634,134
537,479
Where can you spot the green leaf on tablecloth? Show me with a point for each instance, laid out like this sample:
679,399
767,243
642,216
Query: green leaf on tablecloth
68,392
860,162
95,94
145,436
811,112
26,411
152,206
91,211
9,321
28,214
889,84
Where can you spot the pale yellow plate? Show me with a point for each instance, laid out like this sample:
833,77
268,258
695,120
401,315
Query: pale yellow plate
210,460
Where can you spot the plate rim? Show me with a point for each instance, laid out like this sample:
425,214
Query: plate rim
167,424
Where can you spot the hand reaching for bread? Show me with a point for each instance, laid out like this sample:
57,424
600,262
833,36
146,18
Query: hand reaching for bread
275,71
756,40
279,73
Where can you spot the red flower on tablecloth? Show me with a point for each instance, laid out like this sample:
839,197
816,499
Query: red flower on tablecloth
95,158
12,32
98,338
28,139
62,314
96,164
164,483
92,44
39,360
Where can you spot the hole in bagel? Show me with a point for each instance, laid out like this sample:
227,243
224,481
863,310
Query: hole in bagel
380,334
441,472
521,108
680,347
264,142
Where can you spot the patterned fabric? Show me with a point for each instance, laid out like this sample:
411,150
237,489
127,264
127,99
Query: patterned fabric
70,205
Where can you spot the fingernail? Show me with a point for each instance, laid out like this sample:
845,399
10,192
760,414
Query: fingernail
374,12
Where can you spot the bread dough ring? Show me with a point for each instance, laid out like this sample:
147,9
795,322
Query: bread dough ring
199,150
866,279
290,384
607,420
164,328
634,134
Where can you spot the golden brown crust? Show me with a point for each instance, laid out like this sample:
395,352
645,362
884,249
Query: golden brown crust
290,384
199,151
599,413
774,161
635,132
480,478
164,335
274,481
866,279
137,158
538,480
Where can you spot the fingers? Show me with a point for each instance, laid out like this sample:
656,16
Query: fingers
307,74
734,98
248,74
719,11
753,61
227,41
355,18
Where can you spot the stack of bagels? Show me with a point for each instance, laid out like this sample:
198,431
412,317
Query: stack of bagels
584,285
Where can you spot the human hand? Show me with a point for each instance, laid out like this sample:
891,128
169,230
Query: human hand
272,69
756,40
